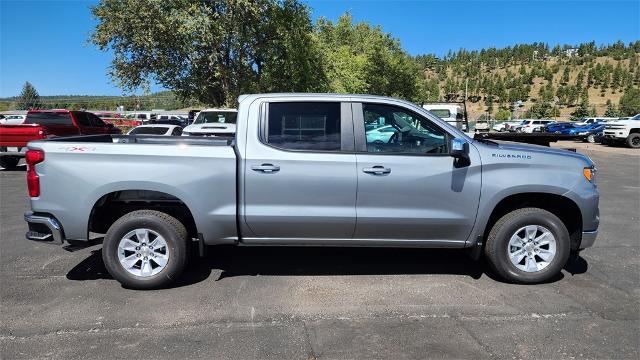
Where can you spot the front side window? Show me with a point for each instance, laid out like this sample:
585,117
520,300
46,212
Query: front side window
216,117
401,131
313,126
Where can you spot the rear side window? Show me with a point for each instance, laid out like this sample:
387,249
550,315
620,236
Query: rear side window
82,119
313,126
48,118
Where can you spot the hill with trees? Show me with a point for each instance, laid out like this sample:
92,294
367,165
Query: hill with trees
537,81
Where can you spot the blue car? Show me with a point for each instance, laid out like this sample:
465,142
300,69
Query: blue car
559,127
589,132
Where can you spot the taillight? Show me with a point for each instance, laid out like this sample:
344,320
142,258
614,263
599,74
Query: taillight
33,157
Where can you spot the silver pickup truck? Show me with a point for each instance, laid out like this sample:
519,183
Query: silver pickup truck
313,169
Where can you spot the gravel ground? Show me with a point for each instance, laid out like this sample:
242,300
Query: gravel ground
327,303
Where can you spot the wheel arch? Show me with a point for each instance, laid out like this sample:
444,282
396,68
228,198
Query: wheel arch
562,206
114,204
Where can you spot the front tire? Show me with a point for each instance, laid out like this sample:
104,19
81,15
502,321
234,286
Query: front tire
591,138
633,141
145,249
528,245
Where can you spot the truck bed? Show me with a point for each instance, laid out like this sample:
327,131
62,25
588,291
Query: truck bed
79,171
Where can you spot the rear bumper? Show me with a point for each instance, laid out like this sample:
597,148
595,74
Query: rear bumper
44,228
588,238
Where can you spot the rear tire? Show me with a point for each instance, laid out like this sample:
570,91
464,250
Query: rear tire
591,138
515,261
130,257
633,141
9,162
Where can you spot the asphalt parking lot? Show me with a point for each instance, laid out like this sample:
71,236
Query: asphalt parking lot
327,303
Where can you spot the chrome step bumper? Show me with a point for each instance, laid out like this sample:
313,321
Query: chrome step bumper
43,228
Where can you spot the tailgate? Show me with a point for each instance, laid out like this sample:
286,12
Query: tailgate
19,135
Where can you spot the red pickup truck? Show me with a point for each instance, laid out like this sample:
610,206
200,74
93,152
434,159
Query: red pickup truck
42,124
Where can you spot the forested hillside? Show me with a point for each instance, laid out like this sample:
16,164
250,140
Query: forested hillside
538,81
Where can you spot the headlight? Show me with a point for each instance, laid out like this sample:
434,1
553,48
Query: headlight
590,174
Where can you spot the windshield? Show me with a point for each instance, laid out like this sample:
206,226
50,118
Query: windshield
637,117
156,130
220,117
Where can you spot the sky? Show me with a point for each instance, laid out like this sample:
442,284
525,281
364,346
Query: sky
45,42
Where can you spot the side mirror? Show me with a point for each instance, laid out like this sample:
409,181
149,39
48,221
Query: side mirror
459,148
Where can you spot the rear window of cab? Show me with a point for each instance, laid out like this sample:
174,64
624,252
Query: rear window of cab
48,118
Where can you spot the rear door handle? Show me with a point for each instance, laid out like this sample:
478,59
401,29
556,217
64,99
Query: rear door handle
266,168
377,170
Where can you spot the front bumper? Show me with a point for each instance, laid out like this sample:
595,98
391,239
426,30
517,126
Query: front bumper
44,228
588,238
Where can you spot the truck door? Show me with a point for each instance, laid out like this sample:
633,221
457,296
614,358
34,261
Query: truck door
409,188
300,173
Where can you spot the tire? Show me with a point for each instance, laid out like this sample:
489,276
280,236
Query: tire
633,141
508,226
591,138
145,270
9,162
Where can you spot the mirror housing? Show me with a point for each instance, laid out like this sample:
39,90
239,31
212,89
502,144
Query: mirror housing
459,148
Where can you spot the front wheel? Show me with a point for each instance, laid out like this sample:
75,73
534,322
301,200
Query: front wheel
633,141
528,245
145,249
591,138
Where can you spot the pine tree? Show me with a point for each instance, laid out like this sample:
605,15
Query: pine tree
611,111
29,98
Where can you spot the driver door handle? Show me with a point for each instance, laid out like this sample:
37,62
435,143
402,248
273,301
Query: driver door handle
266,168
377,170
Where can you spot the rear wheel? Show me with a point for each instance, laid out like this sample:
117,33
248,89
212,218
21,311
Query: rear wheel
591,138
9,162
145,249
633,141
528,245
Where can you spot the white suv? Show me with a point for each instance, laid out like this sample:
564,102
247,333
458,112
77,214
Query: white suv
530,126
627,131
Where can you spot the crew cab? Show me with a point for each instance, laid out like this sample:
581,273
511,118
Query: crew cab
623,131
42,124
300,171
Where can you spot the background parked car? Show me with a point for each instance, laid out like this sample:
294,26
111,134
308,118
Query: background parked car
505,125
380,135
482,125
13,119
588,133
213,122
531,126
623,131
559,127
155,129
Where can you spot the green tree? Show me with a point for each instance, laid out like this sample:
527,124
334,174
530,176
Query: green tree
359,58
210,50
503,114
29,98
611,111
630,102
